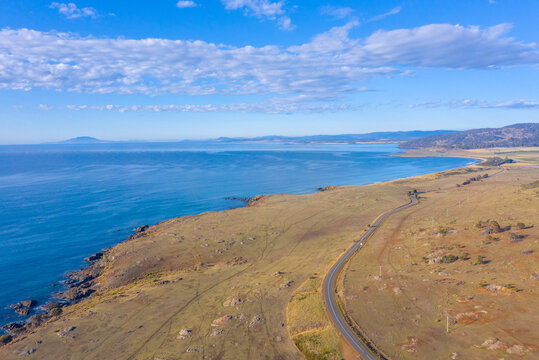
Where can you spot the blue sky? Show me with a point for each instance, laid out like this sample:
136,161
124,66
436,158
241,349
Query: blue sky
167,70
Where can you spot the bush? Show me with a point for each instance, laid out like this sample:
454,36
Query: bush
4,339
443,230
449,258
480,260
56,311
515,237
493,227
521,225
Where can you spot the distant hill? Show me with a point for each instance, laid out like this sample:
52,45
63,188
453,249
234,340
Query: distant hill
83,140
508,136
388,137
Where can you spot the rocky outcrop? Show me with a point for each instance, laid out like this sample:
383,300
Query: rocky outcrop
74,294
23,307
250,201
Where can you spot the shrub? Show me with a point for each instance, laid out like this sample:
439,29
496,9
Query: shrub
4,339
443,230
56,311
449,258
480,260
493,227
515,237
521,225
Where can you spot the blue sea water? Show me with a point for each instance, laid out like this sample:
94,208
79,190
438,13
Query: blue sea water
61,203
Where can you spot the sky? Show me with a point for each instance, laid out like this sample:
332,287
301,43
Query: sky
170,70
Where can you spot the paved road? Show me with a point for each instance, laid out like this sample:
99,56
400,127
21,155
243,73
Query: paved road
330,288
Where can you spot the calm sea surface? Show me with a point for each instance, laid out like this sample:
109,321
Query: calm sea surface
61,203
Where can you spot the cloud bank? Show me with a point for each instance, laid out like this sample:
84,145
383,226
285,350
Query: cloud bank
469,103
330,63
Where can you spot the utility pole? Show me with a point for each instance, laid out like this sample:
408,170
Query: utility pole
447,212
447,324
380,272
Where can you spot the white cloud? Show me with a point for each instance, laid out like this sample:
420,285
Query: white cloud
262,8
336,11
269,107
71,11
331,63
470,103
393,11
266,9
186,4
286,24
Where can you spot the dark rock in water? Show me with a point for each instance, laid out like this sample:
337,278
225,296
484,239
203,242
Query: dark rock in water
141,228
95,257
28,303
74,294
23,307
14,327
22,311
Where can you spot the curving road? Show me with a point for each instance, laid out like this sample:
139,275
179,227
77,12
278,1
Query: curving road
364,348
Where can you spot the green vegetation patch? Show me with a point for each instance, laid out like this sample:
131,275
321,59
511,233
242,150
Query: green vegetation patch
531,185
309,325
322,344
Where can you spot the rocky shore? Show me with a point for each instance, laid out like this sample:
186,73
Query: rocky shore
249,201
79,285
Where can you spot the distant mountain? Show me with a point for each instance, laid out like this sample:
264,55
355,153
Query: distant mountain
387,137
508,136
83,140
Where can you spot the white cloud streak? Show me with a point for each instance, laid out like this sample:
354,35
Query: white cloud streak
336,11
331,63
393,11
186,4
270,107
482,104
71,11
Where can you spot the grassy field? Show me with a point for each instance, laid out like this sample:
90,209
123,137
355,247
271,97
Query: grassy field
467,257
245,283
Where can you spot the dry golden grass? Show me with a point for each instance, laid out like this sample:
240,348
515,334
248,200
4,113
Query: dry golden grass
491,303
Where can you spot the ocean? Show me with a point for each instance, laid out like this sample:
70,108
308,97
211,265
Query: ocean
61,203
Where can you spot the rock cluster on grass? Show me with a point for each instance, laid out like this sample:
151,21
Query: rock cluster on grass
497,344
221,321
184,333
255,321
232,301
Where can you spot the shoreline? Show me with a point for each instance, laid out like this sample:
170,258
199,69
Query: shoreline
82,283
